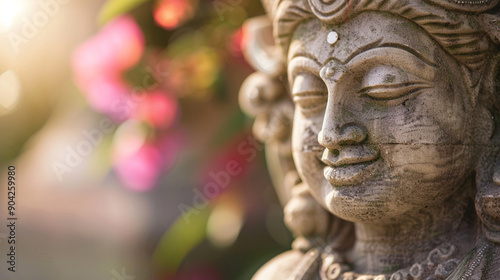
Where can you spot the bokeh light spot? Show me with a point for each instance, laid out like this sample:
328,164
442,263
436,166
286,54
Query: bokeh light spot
9,11
129,138
171,13
10,92
225,222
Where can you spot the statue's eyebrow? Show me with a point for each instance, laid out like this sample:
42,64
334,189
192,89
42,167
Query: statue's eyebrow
302,53
303,62
395,56
378,44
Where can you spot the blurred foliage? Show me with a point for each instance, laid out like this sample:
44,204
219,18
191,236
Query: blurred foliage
180,239
114,8
182,60
165,74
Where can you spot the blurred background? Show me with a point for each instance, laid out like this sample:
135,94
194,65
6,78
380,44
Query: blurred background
133,160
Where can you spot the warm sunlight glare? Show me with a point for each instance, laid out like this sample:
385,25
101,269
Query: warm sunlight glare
9,11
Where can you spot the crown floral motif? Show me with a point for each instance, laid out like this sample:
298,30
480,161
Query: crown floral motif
326,8
466,5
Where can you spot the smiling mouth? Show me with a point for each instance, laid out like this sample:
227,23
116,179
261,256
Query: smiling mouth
349,165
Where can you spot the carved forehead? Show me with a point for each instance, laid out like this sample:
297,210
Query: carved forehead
363,32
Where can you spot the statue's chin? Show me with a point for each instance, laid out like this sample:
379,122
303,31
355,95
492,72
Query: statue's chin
352,203
355,193
372,192
378,201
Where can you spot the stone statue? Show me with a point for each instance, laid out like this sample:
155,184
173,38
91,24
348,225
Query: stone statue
382,128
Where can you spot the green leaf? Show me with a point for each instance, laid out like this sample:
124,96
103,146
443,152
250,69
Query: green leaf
114,8
186,233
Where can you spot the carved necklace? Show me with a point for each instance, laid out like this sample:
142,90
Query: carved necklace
439,265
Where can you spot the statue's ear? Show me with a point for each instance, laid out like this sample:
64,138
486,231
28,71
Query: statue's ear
259,47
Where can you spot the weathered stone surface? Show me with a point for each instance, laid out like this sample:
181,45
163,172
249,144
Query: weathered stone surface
382,127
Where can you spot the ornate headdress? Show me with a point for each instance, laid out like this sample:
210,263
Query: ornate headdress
455,24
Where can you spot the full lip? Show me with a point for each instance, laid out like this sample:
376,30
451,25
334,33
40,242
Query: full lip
348,165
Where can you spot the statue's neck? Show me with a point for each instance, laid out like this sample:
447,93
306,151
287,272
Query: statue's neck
386,248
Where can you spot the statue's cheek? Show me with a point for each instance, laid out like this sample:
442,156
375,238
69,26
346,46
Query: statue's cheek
305,133
425,149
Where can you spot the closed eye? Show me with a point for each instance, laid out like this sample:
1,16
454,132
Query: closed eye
309,93
310,102
387,92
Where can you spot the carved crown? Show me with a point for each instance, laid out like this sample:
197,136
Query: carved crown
322,6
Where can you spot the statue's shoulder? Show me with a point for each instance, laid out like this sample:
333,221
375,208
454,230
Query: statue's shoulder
280,267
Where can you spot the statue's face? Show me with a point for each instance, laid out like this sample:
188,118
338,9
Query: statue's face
383,123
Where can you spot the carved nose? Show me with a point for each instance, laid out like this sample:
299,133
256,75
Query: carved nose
333,138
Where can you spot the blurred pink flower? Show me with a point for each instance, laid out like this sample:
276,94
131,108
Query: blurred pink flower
124,37
92,62
108,96
236,43
171,13
158,109
99,63
236,46
140,170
